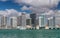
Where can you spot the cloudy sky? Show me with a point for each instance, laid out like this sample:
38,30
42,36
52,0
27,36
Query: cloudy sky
29,5
8,7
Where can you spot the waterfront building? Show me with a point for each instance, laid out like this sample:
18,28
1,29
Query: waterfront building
0,22
3,22
13,22
51,22
33,19
18,21
42,21
54,21
57,26
23,21
28,23
9,25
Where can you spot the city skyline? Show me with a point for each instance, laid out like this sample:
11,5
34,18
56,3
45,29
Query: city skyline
14,8
23,22
30,18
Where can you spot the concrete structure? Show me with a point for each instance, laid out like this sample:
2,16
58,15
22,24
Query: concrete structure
57,26
51,22
18,21
28,23
23,21
42,21
9,26
33,17
3,22
0,22
13,22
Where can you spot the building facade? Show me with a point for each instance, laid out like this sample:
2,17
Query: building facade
28,22
3,22
42,21
51,22
23,21
33,19
18,21
13,22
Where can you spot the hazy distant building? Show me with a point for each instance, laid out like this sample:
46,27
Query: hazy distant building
51,22
18,21
0,22
13,22
9,23
54,21
3,22
23,21
33,19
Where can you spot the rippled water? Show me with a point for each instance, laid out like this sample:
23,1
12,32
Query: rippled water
29,33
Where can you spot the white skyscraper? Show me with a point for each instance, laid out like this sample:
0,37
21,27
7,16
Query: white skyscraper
3,22
51,22
42,21
23,21
0,22
13,22
18,21
9,23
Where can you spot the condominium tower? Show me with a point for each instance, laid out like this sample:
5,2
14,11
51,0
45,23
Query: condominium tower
13,22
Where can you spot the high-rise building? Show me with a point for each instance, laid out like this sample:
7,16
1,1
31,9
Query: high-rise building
54,21
18,21
51,22
42,21
13,22
33,18
3,22
28,21
0,21
9,23
23,21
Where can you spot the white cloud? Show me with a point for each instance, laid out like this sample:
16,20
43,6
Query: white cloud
9,12
25,8
39,6
3,12
50,12
39,3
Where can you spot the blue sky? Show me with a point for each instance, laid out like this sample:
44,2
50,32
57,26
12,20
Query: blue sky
58,7
11,5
